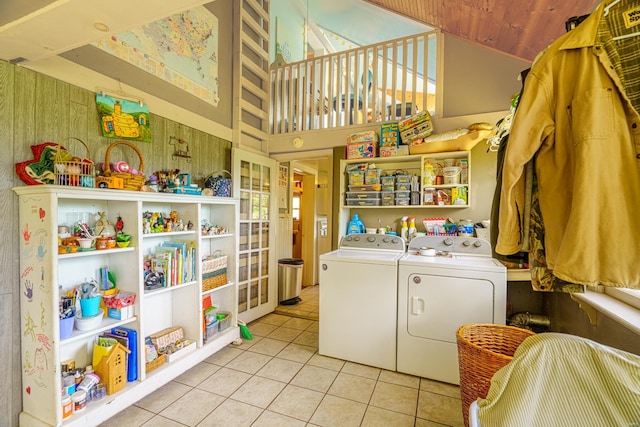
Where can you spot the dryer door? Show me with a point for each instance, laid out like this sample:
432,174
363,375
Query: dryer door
439,305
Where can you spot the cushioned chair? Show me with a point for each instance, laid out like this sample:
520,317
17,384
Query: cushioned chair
562,380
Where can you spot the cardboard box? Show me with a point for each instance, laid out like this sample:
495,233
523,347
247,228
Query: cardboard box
389,135
414,127
187,347
367,136
362,150
402,150
122,313
166,337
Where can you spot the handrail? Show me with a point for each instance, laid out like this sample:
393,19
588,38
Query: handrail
381,82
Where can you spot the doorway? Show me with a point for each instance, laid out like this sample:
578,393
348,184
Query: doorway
306,209
303,216
296,215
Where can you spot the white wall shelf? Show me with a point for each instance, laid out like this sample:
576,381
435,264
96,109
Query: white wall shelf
46,275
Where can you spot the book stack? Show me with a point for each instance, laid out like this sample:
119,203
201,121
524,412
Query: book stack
172,263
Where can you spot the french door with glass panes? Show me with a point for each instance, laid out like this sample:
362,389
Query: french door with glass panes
254,177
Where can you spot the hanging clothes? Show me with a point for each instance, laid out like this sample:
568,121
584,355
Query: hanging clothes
580,124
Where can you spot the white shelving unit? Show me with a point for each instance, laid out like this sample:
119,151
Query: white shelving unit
46,275
413,165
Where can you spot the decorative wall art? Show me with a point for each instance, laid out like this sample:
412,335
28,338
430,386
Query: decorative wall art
123,119
181,49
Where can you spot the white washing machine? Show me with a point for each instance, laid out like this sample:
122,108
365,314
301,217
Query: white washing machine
359,299
452,283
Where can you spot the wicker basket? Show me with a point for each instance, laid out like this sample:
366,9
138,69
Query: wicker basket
155,363
482,350
131,181
214,271
73,173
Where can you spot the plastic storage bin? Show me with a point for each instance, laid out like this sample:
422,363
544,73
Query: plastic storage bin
356,178
372,176
403,186
363,194
388,180
363,202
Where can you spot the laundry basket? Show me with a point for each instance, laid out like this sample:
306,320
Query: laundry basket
482,350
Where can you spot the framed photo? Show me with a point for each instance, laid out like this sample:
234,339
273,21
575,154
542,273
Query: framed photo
185,179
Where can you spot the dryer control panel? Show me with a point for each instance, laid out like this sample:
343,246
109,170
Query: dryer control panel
451,244
379,242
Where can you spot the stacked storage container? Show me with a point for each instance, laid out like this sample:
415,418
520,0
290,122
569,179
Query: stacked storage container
364,187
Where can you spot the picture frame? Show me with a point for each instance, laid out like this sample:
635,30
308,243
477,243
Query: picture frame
185,179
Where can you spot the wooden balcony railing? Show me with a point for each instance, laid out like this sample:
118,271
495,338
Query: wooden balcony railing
381,82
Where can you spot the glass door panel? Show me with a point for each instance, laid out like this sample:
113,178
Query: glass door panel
264,288
245,175
245,207
257,281
254,294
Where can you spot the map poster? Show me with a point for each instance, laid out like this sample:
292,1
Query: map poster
181,49
123,119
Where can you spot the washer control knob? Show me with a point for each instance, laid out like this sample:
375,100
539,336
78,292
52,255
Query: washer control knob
349,238
394,241
386,240
356,239
448,241
466,243
477,243
371,239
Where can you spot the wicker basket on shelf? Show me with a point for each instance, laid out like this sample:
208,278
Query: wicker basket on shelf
214,271
482,350
131,181
72,171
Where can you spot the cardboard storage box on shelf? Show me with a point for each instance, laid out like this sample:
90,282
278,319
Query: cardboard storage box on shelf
121,313
362,150
166,337
389,135
416,126
187,346
367,136
401,150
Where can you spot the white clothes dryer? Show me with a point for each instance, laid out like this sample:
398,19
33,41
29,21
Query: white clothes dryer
445,282
359,299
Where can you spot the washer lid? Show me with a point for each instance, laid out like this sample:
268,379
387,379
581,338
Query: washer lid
361,256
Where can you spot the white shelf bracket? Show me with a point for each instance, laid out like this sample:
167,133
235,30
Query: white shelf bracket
592,313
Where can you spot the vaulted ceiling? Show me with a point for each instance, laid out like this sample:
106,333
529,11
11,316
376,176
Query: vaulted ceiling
520,28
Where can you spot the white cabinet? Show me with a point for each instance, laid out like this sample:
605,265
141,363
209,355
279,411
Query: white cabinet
427,192
46,275
452,167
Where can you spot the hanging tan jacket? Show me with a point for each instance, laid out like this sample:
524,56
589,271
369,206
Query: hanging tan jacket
580,124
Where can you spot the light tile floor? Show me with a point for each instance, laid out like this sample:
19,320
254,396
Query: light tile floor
308,308
279,379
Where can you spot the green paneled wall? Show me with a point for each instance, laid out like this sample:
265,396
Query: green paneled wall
35,108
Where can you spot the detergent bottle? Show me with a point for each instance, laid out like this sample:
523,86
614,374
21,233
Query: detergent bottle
355,225
404,232
412,229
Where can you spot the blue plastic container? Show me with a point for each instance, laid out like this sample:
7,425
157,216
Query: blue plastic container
355,225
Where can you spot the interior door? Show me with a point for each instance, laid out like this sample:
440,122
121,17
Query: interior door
254,178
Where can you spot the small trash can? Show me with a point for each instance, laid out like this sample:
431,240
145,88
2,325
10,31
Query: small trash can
289,280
